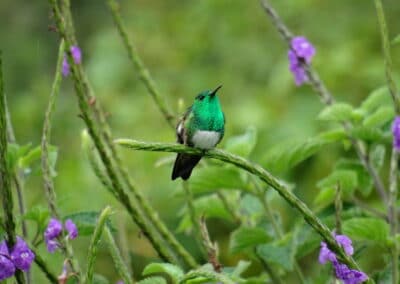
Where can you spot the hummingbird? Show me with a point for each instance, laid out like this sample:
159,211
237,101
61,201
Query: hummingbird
202,126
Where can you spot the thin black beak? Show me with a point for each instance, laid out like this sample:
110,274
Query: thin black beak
215,91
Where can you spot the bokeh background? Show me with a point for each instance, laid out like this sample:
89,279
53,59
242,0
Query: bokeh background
189,46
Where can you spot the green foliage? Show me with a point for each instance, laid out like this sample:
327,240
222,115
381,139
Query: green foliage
338,112
281,255
86,221
245,238
153,280
367,229
173,271
244,144
38,214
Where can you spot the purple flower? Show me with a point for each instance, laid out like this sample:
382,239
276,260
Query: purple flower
301,50
71,228
346,244
21,255
52,245
53,229
396,133
7,267
76,55
349,276
325,254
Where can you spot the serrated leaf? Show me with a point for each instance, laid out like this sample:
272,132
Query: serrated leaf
377,98
337,112
212,178
364,180
367,229
86,222
153,280
173,271
280,255
286,155
246,237
244,144
380,117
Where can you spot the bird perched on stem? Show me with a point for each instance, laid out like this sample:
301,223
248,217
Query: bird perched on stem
202,126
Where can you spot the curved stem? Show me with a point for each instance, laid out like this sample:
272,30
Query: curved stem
282,189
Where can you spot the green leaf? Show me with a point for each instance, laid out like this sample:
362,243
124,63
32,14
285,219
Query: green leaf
378,98
396,39
377,156
86,222
368,134
212,178
240,268
337,112
367,229
34,155
153,280
173,271
99,279
325,197
244,144
246,237
380,117
280,255
346,178
333,135
364,180
286,155
39,214
15,152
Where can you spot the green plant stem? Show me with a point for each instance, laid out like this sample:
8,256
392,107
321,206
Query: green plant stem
392,211
272,272
119,263
94,243
43,267
215,276
140,210
46,170
228,206
276,227
256,170
5,175
193,215
338,209
144,74
326,97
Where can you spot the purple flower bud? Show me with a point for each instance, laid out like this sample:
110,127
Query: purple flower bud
21,255
71,228
52,245
53,229
76,55
301,50
346,244
325,254
7,267
396,133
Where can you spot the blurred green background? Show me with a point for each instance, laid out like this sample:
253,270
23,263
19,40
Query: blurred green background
189,46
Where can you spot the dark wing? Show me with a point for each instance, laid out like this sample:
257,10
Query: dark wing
180,128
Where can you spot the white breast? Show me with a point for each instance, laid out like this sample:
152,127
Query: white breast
205,139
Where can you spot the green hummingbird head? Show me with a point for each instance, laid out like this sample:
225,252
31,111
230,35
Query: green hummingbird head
206,100
207,110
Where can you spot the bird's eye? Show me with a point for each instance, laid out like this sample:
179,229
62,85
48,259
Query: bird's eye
201,97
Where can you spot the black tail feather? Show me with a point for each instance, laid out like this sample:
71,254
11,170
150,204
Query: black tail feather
184,165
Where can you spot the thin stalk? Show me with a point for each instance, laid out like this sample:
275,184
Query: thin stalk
228,206
94,243
256,170
392,214
338,209
137,62
44,268
278,231
193,216
46,170
326,97
81,90
148,214
5,175
371,210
